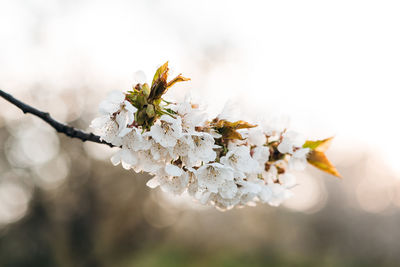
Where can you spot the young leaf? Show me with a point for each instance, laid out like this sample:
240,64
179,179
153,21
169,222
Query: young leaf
234,125
161,72
243,125
319,160
178,78
319,145
317,157
228,129
146,89
170,111
229,133
150,111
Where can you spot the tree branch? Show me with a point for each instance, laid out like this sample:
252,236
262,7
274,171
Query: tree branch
59,127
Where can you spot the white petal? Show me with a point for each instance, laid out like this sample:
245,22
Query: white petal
124,132
301,153
99,122
288,180
129,107
257,136
265,194
215,135
128,159
261,154
116,97
168,119
285,147
173,170
228,190
205,197
121,119
153,183
108,108
139,77
131,118
116,158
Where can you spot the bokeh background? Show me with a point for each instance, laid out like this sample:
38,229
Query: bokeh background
324,68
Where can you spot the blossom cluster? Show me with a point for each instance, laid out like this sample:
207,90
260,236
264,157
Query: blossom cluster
216,162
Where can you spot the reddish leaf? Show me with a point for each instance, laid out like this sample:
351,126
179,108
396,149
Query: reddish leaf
319,160
317,157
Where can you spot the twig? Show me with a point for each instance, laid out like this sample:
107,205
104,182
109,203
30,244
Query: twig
59,127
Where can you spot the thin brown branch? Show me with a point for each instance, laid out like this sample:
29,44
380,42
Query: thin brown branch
58,126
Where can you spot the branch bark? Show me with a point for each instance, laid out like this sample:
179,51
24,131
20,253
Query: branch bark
58,126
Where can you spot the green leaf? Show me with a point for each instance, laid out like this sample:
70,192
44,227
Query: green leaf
146,89
150,111
167,102
319,145
170,111
160,73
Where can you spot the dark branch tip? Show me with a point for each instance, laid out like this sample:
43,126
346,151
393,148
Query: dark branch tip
59,127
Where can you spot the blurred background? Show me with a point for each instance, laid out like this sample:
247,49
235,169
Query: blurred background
324,68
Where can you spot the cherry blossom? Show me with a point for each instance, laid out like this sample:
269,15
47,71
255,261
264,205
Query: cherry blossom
217,162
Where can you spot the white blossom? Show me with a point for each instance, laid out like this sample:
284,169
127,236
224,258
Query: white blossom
228,189
271,175
191,117
171,180
290,141
125,118
201,148
224,203
174,184
167,131
139,77
146,162
182,146
116,105
250,187
159,152
136,141
298,160
211,176
265,194
118,114
256,136
126,157
278,194
238,157
100,122
107,129
180,150
261,155
288,180
112,104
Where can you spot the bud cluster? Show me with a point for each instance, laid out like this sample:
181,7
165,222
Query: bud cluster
217,162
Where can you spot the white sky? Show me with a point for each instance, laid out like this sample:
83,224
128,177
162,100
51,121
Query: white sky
331,66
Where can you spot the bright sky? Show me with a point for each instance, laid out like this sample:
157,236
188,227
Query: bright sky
332,67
